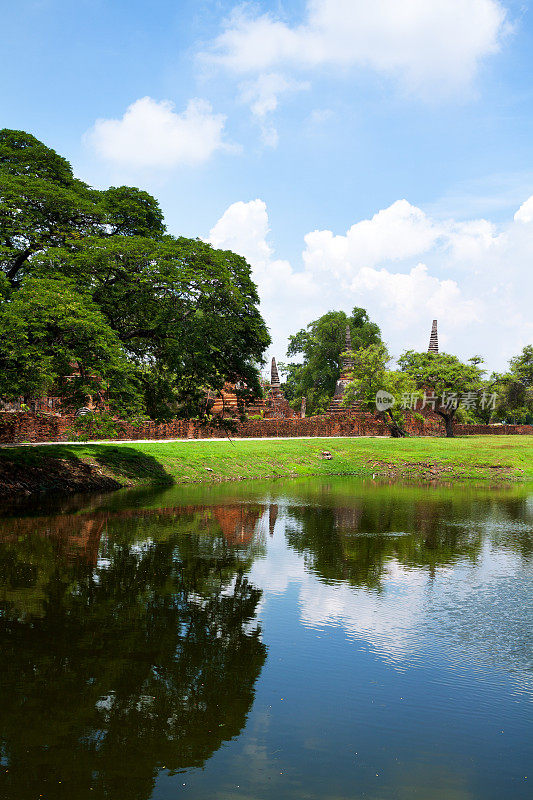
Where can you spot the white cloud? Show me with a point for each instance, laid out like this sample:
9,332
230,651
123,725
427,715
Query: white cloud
287,296
243,228
395,233
525,212
405,268
417,294
262,96
433,47
153,134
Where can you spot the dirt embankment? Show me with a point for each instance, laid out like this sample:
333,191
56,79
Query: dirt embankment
434,471
55,475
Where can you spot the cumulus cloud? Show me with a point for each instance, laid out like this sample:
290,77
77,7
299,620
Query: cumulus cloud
244,228
433,47
152,134
405,268
394,233
525,212
407,296
262,95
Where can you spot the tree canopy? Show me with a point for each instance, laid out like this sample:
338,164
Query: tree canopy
371,375
445,377
178,316
321,345
514,390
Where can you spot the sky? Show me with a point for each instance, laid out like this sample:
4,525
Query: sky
370,153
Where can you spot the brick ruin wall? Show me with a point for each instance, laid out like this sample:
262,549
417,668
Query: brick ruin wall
27,427
502,430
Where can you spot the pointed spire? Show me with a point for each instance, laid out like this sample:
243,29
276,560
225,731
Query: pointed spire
348,338
347,361
274,377
433,339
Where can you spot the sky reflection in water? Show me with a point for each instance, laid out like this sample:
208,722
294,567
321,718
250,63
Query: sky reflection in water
329,639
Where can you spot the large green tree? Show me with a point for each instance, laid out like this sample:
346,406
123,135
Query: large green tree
372,376
320,346
184,315
446,378
43,205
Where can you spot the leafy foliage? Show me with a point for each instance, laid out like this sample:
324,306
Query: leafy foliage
321,345
370,375
94,425
515,390
446,376
177,316
185,313
53,336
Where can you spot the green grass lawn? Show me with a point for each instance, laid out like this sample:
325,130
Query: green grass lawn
497,458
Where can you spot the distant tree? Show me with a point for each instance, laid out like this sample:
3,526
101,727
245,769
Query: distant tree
448,378
521,367
514,389
370,376
320,345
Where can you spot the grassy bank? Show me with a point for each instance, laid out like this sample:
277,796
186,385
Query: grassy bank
497,458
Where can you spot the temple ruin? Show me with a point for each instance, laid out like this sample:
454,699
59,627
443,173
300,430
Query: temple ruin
273,406
226,403
337,405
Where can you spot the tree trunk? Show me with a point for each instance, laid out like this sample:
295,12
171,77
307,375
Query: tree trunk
448,422
395,430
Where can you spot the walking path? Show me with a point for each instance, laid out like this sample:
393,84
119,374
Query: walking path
170,441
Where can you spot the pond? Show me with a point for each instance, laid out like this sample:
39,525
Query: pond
299,639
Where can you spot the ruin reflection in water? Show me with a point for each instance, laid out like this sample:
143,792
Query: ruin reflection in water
307,639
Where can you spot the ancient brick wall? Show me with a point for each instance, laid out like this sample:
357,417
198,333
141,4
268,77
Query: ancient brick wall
310,426
502,430
27,427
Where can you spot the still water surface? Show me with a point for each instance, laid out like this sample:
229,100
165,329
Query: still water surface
308,639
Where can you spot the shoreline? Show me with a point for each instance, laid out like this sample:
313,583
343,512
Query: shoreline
93,467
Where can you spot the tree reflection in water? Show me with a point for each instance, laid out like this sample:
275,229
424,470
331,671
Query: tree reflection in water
127,644
129,640
357,541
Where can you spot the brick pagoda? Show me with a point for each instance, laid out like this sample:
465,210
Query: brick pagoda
433,339
347,364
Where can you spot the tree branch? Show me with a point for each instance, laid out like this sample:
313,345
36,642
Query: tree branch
18,262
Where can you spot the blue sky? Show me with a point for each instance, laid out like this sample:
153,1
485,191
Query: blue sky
275,128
